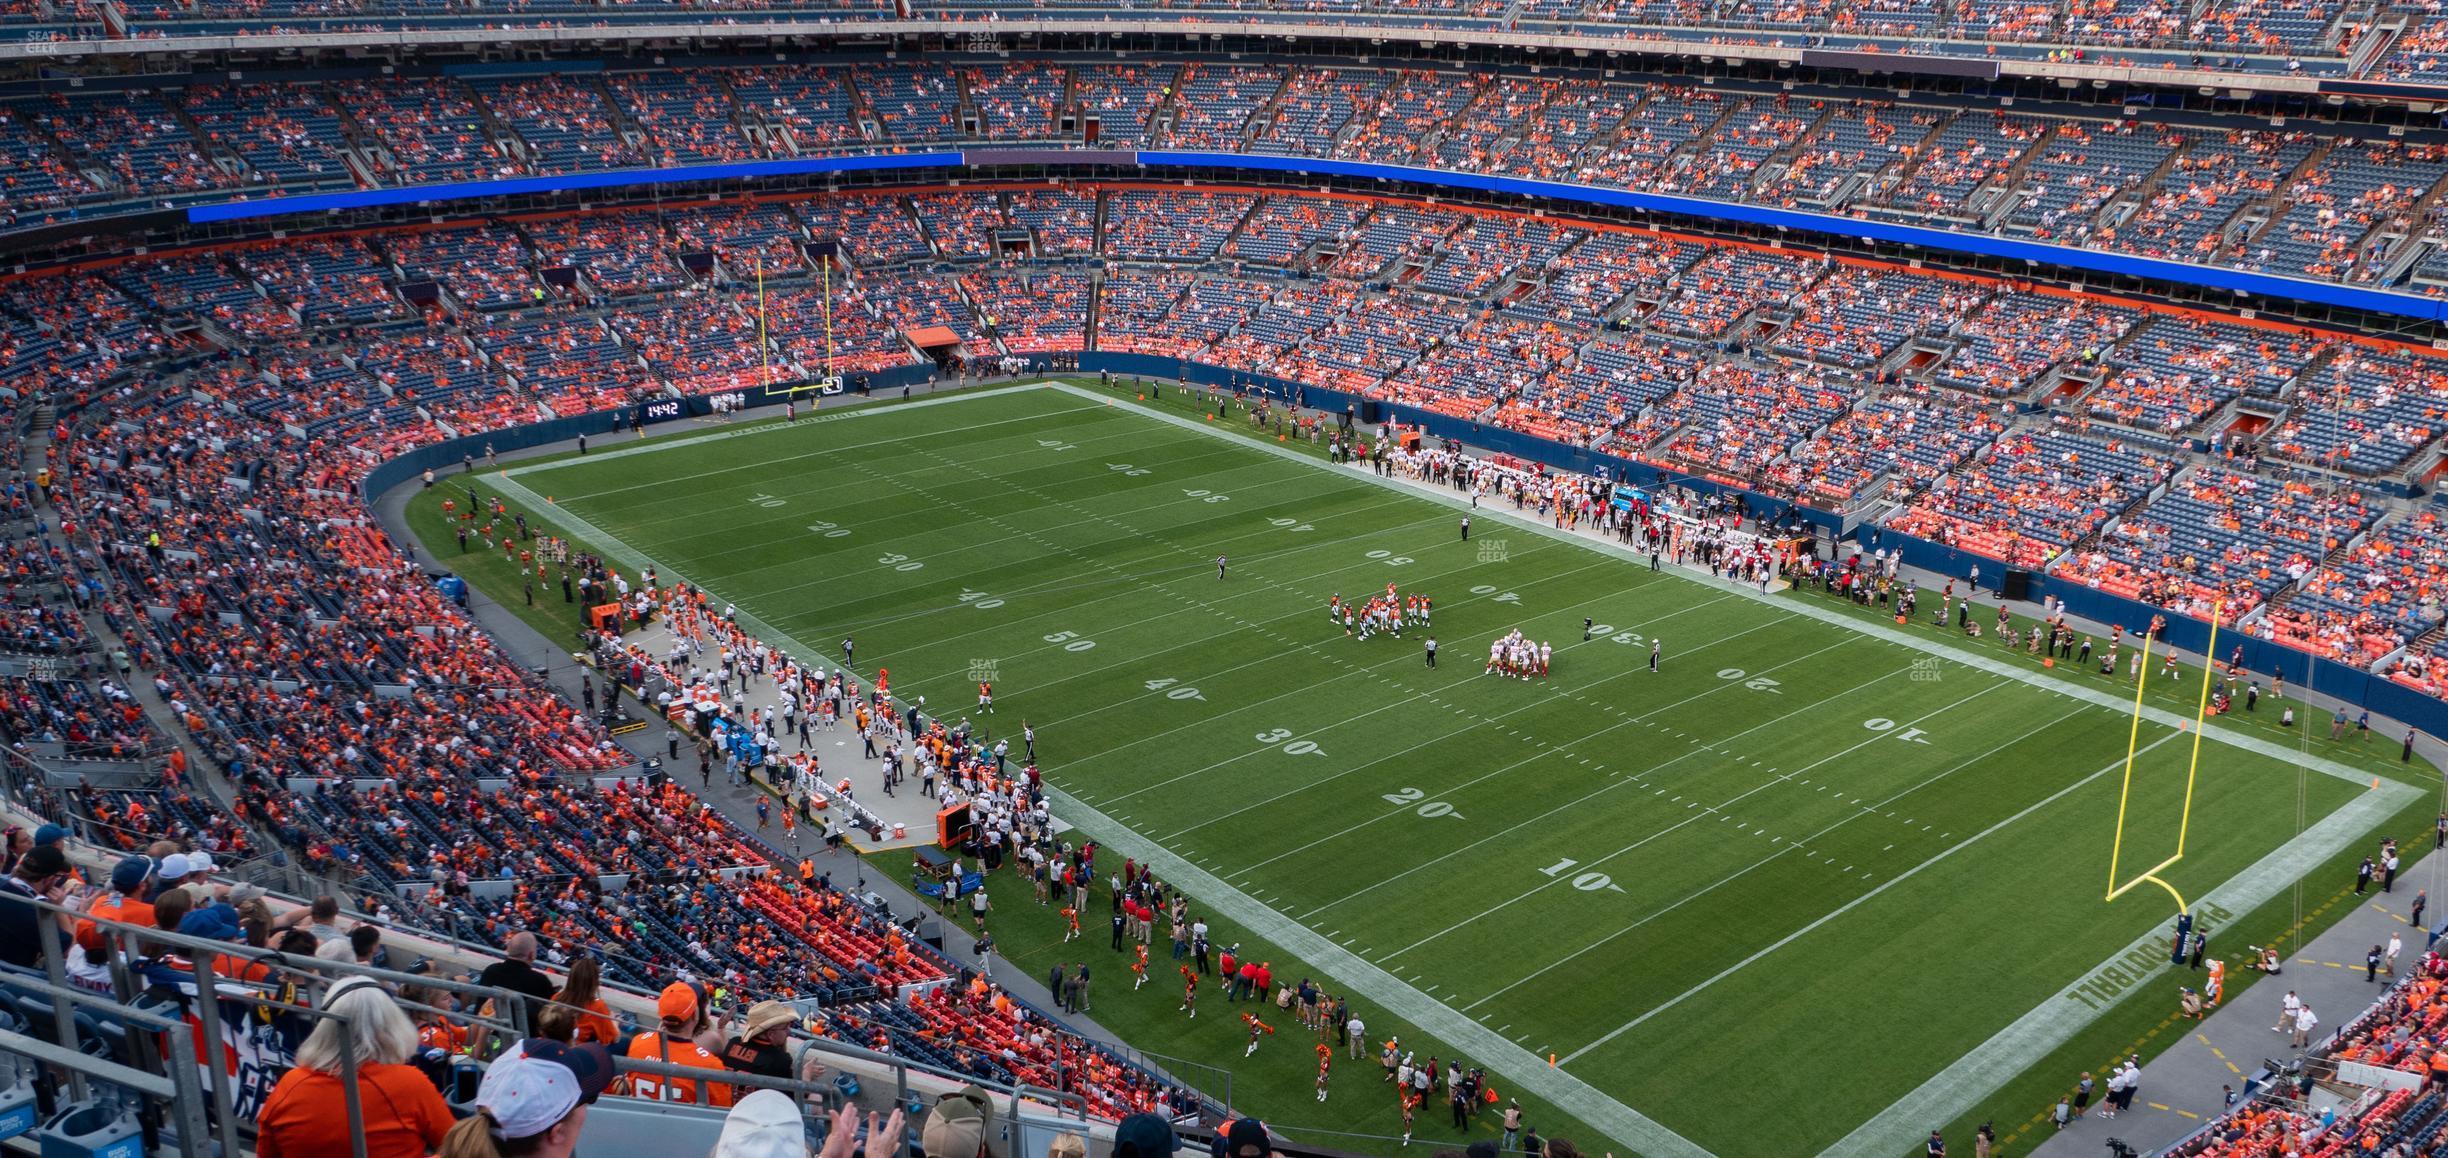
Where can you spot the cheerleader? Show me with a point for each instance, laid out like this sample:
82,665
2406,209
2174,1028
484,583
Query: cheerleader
1071,918
1257,1029
1410,1105
1140,967
1325,1056
1190,988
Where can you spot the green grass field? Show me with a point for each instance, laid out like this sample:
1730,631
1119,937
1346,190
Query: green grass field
1805,868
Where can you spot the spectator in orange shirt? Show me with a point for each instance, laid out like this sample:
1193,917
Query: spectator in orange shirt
678,1041
583,995
306,1114
132,884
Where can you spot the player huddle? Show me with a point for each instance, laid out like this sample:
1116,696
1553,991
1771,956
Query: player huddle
1382,614
1516,655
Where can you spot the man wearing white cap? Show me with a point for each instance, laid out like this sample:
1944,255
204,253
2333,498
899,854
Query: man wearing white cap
766,1124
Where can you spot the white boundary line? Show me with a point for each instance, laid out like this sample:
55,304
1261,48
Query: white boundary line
654,445
1857,902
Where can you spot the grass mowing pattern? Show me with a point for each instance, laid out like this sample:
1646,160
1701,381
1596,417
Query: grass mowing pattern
1725,813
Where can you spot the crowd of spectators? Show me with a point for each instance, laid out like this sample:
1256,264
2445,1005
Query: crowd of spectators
688,117
2401,1031
484,267
2005,346
1579,334
2035,493
1898,442
2242,196
2221,540
1855,317
326,281
293,644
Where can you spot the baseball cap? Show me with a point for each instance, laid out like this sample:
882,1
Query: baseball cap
199,862
130,875
538,1082
49,834
956,1127
174,867
1144,1136
1249,1139
217,922
764,1124
678,1003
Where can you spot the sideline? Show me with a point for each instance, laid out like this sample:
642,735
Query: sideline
759,426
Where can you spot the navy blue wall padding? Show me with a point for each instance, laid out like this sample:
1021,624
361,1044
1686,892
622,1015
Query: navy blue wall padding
2384,696
2270,285
1817,224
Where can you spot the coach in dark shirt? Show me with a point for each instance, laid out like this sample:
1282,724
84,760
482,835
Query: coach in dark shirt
518,974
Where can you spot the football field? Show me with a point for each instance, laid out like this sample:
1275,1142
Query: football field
1847,874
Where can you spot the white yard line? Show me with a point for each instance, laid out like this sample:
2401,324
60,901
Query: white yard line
1545,749
2024,1043
1863,899
1808,608
656,445
1697,815
1477,721
1786,846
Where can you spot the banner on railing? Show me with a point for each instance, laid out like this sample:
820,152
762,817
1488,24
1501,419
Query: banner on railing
258,1045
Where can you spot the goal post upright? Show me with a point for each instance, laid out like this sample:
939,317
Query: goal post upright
2184,822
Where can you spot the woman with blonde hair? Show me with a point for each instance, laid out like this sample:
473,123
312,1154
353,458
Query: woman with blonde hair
533,1102
402,1115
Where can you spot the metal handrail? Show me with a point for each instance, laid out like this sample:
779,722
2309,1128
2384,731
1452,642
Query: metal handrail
209,988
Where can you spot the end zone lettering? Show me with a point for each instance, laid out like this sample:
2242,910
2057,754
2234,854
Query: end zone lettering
2138,963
